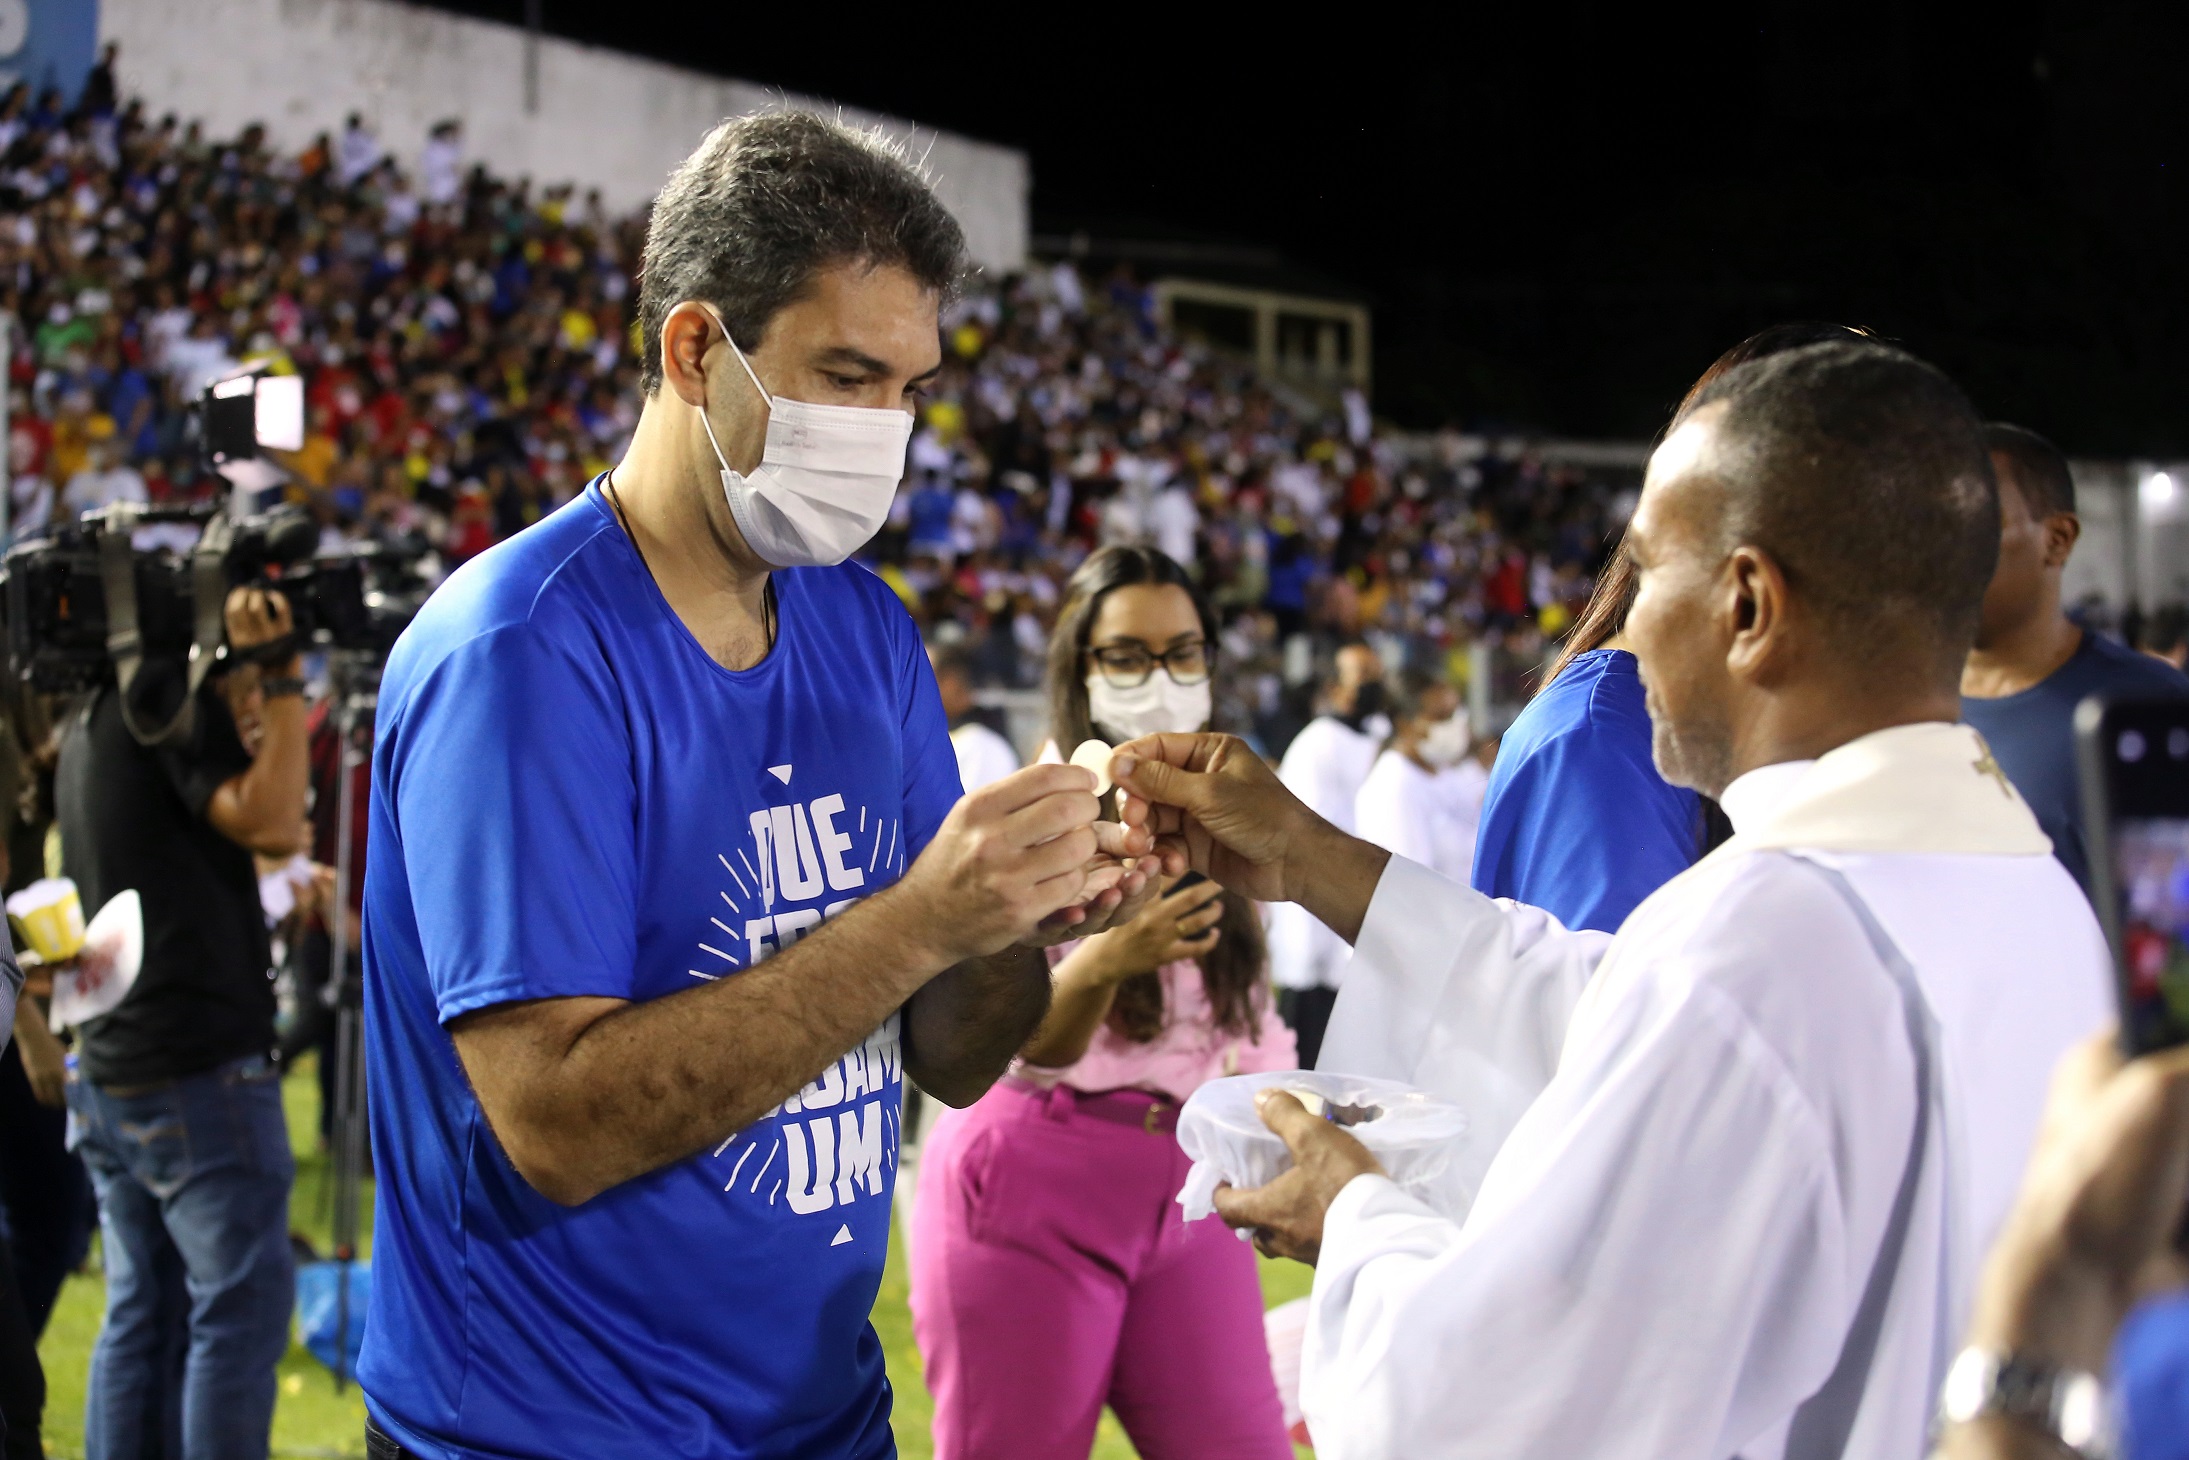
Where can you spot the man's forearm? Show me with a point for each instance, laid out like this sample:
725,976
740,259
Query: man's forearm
640,1086
962,1028
1338,877
263,808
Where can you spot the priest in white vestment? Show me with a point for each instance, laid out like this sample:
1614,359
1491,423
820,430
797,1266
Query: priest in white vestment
1738,1162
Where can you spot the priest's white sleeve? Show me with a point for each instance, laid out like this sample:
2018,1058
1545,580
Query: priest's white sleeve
1664,1256
1627,1270
1459,995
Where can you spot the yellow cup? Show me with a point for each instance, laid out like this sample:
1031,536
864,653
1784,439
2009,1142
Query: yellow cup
49,917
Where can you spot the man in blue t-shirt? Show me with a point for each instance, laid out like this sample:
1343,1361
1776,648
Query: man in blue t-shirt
2032,664
670,880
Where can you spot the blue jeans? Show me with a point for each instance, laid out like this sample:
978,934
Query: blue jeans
193,1182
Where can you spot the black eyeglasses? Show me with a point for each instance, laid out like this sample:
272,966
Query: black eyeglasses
1127,666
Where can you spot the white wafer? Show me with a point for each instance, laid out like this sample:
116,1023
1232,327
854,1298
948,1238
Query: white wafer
1094,755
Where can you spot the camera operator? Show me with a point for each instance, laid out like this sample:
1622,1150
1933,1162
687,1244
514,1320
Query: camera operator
177,1104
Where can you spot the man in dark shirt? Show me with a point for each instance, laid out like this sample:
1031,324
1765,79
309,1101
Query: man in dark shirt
176,1105
2032,664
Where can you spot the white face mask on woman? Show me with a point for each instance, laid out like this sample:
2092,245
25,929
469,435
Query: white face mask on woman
1157,707
825,479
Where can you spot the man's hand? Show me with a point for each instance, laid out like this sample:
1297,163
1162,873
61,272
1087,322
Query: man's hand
1020,861
2093,1230
1214,805
1211,802
1286,1216
256,616
1121,882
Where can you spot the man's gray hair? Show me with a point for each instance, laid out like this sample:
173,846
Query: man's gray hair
767,201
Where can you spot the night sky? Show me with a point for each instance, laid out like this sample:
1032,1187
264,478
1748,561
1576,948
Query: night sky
1562,211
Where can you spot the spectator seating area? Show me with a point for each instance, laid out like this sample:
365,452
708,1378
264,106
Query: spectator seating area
468,349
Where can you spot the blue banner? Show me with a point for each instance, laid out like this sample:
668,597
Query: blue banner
48,43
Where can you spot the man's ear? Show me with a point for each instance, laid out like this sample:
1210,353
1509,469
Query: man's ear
2062,531
1756,611
685,337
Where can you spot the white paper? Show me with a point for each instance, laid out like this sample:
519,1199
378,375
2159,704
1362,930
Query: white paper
103,974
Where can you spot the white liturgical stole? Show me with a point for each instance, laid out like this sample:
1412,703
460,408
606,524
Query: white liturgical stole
1737,1162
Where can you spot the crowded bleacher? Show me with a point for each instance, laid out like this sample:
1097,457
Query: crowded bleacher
468,346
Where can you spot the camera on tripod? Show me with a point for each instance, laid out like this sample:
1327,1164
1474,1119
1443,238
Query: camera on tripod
86,602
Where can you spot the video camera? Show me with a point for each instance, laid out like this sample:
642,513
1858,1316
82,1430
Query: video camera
87,602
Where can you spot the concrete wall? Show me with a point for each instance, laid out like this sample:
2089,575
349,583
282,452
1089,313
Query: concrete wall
603,119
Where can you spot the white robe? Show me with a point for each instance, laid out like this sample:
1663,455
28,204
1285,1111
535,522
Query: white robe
1417,814
983,755
1324,766
1691,1165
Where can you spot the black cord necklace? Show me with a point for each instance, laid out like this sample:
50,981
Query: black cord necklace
623,520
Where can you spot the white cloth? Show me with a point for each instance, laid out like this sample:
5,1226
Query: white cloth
89,490
1466,788
1415,813
1667,1250
983,755
441,168
31,505
356,154
1324,766
1176,522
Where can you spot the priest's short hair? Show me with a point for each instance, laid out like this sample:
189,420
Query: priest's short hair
1863,472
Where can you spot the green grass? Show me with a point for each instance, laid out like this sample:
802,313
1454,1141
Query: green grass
312,1420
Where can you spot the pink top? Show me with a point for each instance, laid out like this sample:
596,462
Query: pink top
1187,1054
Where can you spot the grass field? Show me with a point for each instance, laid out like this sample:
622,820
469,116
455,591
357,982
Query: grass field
313,1420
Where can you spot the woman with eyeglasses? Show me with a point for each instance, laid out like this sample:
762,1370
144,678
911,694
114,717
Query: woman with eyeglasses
1051,1272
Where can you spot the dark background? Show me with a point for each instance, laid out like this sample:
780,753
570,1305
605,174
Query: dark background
1560,216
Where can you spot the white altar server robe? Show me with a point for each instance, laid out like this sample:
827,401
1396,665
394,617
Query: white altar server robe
1417,814
1692,1167
1324,766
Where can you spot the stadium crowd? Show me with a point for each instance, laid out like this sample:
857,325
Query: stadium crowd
468,346
1088,503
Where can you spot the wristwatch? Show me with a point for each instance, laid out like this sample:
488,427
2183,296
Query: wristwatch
288,684
2065,1405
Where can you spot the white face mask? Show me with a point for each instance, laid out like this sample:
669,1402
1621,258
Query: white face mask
825,479
1160,706
1446,741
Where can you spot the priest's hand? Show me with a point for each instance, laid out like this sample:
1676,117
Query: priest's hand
1286,1216
1215,806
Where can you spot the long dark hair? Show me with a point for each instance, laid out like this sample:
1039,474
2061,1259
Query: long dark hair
1231,972
1605,614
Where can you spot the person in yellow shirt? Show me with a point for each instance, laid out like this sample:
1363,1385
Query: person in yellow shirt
75,427
313,462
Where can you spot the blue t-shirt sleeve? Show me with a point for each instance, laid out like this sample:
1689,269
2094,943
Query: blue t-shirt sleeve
931,784
515,805
1584,831
2151,1374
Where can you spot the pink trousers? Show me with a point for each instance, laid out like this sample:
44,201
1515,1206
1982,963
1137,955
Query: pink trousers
1051,1274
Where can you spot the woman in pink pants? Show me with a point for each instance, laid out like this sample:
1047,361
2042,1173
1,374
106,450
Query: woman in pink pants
1051,1272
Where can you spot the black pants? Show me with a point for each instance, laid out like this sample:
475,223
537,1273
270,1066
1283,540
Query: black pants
22,1380
1307,1013
46,1206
